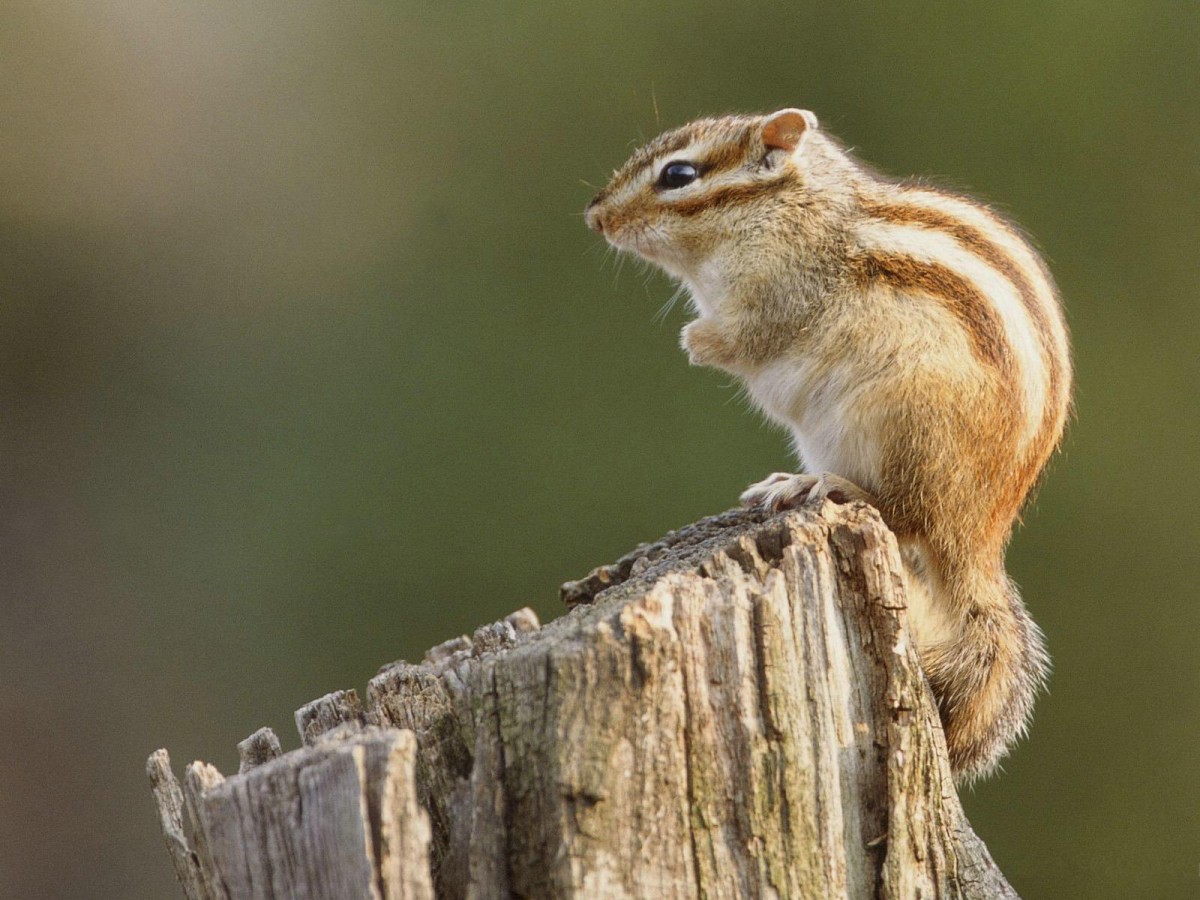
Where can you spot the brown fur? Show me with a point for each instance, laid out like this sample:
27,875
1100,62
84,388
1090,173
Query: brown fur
893,372
969,305
979,243
729,196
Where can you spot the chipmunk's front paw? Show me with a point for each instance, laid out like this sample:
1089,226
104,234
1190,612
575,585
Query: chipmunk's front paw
783,490
707,344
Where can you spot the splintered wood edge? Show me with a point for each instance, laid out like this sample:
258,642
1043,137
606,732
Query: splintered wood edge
340,715
364,780
168,797
261,747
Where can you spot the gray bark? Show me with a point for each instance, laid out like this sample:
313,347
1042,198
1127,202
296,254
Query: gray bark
734,711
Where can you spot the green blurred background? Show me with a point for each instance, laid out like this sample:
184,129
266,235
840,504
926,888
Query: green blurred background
307,362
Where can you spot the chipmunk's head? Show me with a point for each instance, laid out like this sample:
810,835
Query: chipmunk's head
691,191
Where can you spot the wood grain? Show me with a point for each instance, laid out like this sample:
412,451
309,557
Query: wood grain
732,711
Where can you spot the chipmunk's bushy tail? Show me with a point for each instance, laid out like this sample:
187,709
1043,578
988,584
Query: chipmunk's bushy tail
987,679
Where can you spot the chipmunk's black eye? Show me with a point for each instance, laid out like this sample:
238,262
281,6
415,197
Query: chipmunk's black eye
677,174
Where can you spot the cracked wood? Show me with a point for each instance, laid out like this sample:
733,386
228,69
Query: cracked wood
732,711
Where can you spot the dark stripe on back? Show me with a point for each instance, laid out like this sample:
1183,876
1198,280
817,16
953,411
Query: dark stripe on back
976,241
969,305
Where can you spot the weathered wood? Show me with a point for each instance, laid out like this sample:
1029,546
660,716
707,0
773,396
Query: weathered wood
322,715
734,711
262,746
168,796
337,820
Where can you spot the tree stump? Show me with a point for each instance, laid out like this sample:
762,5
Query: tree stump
734,711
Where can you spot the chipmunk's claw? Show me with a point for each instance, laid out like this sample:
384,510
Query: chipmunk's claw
839,490
781,490
785,490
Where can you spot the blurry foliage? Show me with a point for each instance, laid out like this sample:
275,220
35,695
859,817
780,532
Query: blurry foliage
307,362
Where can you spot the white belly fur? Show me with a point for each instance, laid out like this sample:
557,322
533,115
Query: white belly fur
832,426
834,429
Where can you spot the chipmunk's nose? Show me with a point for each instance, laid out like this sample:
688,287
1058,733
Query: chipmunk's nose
593,216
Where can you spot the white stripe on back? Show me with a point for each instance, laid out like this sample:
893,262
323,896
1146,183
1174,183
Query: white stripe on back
1021,332
1009,243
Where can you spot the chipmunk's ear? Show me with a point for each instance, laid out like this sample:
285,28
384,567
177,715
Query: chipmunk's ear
785,130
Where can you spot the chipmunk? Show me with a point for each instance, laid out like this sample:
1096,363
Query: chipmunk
914,345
